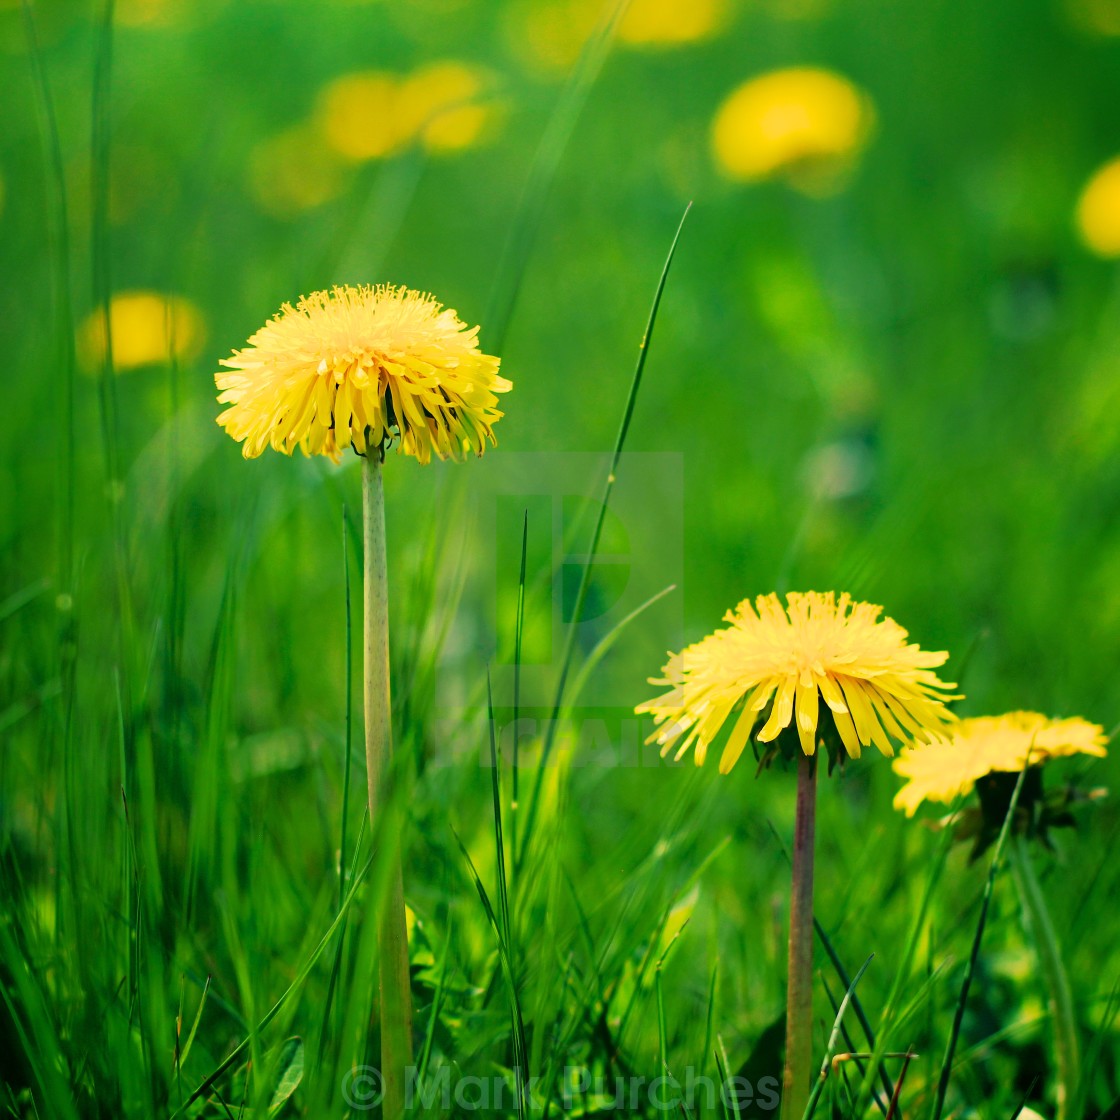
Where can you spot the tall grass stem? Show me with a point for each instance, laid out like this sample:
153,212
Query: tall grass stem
1041,930
974,956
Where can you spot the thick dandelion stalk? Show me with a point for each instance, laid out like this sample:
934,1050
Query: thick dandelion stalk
799,998
360,369
392,935
1049,953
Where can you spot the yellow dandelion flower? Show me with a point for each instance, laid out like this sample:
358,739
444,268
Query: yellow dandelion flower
147,328
805,123
1098,211
947,768
662,23
356,367
875,685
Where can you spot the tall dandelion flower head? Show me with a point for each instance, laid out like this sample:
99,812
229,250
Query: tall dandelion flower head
360,367
945,769
776,662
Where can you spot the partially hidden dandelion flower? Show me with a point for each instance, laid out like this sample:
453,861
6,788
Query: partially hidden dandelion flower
1098,211
293,171
803,123
360,367
1097,17
876,686
947,768
665,23
145,328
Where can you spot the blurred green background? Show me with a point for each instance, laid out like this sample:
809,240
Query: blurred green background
888,358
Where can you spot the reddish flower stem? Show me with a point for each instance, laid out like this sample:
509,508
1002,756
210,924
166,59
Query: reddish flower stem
799,998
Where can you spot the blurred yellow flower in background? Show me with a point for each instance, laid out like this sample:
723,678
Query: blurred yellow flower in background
662,23
294,171
943,770
551,33
440,105
148,13
875,684
147,328
356,367
359,115
1098,17
373,114
805,124
1098,211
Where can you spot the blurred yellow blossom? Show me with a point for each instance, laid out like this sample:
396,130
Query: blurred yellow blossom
550,34
553,32
147,328
802,123
148,13
294,171
372,114
439,104
1098,17
1098,211
358,113
659,23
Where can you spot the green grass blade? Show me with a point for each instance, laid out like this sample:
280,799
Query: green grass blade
520,1046
888,1017
722,1066
1101,1038
1040,929
519,634
603,646
433,1018
59,241
585,579
849,1042
499,838
297,983
39,1041
974,956
833,1039
710,1020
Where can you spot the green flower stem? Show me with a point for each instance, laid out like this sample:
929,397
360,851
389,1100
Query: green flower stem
799,998
392,936
1041,931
